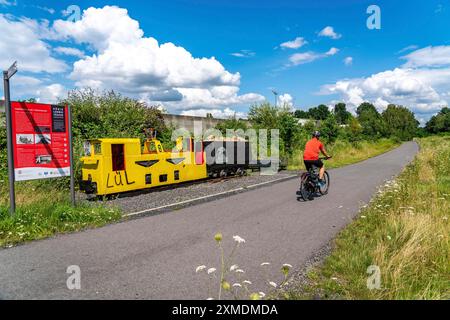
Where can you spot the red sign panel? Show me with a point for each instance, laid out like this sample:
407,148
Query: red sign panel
40,140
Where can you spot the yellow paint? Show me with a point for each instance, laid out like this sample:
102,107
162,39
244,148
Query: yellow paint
98,166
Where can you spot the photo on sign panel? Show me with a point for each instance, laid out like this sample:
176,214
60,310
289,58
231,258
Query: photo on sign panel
43,139
46,159
24,139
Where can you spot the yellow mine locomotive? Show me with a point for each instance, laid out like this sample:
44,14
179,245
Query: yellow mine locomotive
112,166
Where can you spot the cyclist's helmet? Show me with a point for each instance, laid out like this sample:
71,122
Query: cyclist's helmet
316,134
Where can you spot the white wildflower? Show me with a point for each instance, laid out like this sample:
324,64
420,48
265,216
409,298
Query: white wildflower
200,268
247,282
273,284
234,267
210,299
287,265
262,294
237,285
211,270
265,264
240,271
238,239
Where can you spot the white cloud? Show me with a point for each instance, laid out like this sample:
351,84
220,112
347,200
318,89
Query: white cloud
7,3
42,90
285,100
332,52
69,51
51,93
243,54
408,48
294,44
330,33
21,41
348,61
306,57
127,61
428,57
413,88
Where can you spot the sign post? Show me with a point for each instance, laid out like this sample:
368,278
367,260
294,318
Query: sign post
72,178
7,75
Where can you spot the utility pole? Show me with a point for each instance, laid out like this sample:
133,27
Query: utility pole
7,75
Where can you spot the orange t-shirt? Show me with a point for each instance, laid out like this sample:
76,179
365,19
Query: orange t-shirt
312,149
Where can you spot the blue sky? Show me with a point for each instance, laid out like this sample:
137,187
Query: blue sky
245,39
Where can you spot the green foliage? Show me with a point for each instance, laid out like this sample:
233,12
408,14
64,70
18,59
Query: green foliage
319,113
329,129
371,121
301,114
440,122
400,122
341,113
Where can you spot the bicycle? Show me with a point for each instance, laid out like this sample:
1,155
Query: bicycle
309,185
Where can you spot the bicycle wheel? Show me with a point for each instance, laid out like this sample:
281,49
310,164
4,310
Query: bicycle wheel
324,189
305,192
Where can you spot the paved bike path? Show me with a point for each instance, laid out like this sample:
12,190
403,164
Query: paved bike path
155,257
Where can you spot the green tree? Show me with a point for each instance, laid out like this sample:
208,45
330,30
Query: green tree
319,113
329,129
301,114
341,113
400,122
371,121
440,122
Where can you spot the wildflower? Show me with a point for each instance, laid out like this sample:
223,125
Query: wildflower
237,285
363,217
285,268
255,296
238,239
334,278
273,284
265,264
247,282
200,268
234,267
210,299
262,294
218,237
226,285
211,270
389,237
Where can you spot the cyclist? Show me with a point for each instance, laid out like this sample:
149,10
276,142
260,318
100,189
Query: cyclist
311,155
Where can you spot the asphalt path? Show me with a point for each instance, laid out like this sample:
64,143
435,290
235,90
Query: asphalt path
155,257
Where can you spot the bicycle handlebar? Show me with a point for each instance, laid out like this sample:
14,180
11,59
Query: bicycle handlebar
325,158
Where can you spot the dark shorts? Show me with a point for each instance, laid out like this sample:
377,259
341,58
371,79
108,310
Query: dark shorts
309,164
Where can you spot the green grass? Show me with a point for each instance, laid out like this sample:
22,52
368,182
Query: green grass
345,153
43,211
404,231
